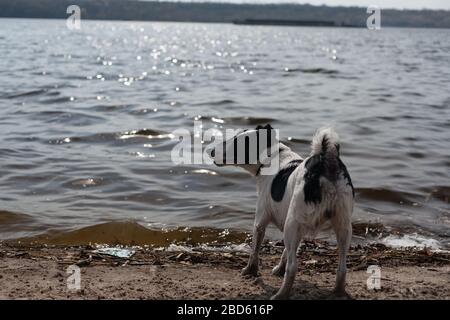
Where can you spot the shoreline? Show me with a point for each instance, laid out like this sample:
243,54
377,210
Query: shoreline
39,272
211,12
133,233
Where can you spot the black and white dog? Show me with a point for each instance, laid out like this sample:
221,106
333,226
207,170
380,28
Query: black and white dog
303,197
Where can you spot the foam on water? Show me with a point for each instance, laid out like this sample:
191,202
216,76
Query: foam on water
411,241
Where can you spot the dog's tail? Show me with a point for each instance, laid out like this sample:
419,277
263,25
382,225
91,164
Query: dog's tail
325,146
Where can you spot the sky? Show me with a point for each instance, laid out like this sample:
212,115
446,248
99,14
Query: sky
398,4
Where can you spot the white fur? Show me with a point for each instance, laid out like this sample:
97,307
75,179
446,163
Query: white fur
329,133
298,219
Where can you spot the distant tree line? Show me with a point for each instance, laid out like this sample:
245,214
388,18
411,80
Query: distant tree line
218,12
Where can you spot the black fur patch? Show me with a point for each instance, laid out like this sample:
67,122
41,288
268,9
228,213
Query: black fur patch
346,175
280,181
267,127
328,214
314,169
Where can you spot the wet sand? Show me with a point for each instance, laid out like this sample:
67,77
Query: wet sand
40,273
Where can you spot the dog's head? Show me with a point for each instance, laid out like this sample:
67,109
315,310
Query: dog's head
248,149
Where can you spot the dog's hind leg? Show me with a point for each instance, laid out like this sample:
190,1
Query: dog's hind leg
292,237
280,268
259,229
343,228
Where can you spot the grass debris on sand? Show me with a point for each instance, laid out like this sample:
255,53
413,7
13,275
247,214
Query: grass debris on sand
39,272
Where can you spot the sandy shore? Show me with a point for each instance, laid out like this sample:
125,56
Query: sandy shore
40,273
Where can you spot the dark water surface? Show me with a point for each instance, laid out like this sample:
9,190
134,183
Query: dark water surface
74,106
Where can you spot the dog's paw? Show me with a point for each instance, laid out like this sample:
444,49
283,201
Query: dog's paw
341,293
250,271
278,271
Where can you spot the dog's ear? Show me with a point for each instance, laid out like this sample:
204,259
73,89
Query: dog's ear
269,129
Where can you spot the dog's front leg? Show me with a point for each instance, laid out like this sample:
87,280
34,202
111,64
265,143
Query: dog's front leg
259,229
